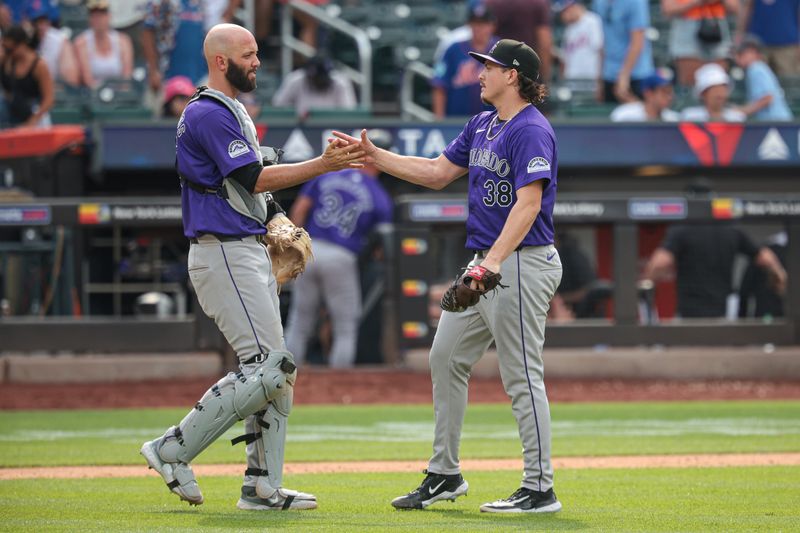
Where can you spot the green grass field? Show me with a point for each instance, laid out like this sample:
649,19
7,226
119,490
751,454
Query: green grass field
703,499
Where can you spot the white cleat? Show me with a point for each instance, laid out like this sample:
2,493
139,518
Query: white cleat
178,476
281,500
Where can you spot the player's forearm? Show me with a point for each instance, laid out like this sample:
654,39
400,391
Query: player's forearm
417,170
277,177
519,222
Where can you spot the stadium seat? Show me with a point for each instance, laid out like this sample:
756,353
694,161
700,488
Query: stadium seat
119,99
70,104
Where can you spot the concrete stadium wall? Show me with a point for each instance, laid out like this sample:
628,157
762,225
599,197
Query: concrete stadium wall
751,363
755,362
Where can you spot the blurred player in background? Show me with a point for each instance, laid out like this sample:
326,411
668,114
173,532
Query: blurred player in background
339,210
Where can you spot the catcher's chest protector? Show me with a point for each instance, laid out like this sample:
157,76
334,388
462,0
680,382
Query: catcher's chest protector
243,202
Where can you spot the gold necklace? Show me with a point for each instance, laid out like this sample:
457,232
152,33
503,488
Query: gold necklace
493,123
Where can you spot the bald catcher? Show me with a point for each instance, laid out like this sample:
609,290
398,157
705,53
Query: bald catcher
226,180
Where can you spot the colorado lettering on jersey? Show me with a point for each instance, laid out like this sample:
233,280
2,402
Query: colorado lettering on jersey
237,148
538,164
482,157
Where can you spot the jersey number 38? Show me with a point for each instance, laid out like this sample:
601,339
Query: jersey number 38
498,193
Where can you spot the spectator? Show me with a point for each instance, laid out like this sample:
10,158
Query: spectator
702,256
765,98
219,11
172,41
103,53
456,89
777,24
127,16
628,57
316,85
456,35
27,85
699,33
339,210
177,92
582,44
757,296
528,21
712,87
575,297
54,46
12,12
658,93
308,25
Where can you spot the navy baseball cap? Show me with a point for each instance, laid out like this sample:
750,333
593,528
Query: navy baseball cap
561,5
513,54
480,13
655,80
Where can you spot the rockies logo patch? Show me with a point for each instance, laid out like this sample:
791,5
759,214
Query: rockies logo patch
538,164
237,148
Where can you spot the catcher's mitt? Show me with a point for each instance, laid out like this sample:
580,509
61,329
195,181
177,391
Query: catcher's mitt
461,295
289,248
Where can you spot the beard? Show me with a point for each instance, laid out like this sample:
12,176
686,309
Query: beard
237,77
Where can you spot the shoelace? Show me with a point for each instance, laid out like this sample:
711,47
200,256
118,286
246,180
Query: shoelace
519,493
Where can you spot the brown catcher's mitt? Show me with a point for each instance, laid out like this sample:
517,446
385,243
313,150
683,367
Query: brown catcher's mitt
289,248
460,295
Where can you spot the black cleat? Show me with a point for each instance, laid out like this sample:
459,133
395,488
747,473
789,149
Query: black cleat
525,501
435,487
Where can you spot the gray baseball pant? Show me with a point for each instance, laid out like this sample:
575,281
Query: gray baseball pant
333,278
514,318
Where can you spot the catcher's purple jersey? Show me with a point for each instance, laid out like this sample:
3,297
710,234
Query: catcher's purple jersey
502,157
210,145
347,206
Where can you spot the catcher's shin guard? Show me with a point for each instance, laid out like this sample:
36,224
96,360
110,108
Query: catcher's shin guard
233,398
266,440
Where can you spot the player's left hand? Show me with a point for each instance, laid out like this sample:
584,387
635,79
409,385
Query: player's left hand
463,294
339,155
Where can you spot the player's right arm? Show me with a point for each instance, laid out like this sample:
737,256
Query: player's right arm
337,156
431,173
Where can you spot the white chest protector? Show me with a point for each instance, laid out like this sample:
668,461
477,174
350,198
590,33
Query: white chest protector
258,206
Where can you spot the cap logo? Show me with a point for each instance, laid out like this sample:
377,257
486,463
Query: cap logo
493,47
515,63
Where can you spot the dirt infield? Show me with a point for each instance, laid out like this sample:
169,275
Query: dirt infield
365,386
625,461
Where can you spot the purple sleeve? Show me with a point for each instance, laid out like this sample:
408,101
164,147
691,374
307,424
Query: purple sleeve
309,188
458,149
532,150
222,139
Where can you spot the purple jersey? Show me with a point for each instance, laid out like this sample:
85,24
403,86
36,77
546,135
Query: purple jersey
346,207
503,157
209,146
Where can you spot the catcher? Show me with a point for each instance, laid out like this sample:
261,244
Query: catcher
232,222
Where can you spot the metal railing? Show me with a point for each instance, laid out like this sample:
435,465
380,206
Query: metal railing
408,107
290,44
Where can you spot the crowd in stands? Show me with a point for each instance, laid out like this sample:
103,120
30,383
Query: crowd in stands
611,50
